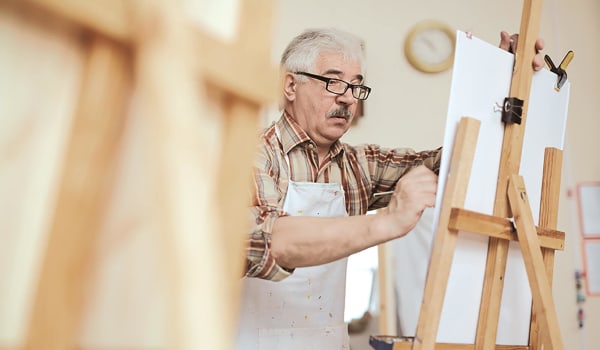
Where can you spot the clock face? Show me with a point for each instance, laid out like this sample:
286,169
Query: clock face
429,47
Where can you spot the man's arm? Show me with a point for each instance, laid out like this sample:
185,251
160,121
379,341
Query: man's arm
309,241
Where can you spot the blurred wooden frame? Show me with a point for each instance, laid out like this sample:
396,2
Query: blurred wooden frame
129,43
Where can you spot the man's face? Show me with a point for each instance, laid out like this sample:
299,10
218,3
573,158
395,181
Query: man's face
323,115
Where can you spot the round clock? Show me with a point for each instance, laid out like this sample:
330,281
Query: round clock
429,46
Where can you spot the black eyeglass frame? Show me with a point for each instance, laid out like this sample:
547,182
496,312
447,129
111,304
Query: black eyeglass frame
348,85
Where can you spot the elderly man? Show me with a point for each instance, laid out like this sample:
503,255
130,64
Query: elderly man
311,192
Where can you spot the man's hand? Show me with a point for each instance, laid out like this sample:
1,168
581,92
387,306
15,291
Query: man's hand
414,192
509,43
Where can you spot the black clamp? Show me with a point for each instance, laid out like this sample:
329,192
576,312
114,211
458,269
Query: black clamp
561,70
512,110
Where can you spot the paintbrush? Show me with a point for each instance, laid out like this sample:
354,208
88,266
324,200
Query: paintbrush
381,194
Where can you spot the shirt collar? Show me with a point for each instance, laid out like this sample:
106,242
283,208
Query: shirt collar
293,135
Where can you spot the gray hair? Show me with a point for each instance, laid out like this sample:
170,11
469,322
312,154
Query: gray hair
302,52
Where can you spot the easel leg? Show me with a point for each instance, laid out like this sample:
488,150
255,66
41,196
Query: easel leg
87,174
534,263
548,219
489,309
445,239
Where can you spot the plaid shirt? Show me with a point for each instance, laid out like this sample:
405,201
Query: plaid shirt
362,171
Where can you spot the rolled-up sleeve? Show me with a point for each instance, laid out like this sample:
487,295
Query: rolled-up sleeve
264,211
386,166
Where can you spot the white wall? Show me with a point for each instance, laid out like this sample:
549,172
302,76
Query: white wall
408,108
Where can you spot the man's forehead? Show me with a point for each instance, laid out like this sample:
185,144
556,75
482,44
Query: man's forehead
338,64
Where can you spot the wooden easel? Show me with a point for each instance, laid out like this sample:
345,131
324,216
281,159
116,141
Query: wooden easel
150,45
537,244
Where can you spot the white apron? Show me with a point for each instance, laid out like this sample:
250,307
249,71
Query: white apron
306,310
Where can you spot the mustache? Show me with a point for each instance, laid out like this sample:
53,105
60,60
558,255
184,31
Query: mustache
343,112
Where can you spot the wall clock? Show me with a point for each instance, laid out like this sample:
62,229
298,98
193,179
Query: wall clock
429,46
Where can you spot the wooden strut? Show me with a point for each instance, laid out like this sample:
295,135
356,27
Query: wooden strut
87,174
510,161
445,239
534,263
548,219
511,196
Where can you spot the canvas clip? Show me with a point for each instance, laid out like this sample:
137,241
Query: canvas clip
512,110
561,70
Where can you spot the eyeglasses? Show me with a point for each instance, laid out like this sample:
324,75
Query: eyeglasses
339,87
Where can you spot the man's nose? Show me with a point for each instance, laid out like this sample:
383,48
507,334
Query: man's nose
347,98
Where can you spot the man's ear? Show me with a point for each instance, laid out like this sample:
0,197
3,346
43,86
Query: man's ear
289,86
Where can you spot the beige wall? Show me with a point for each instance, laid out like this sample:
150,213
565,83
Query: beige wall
408,108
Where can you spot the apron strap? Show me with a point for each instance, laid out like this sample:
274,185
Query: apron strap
285,155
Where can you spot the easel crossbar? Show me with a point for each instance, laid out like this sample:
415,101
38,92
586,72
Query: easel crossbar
503,228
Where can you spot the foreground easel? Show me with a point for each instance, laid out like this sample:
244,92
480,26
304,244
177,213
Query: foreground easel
151,46
537,244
